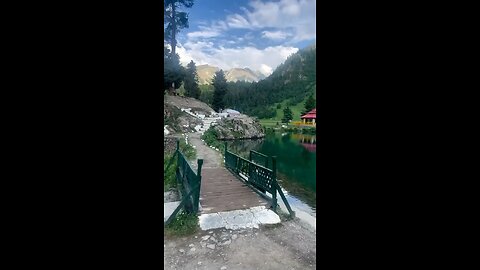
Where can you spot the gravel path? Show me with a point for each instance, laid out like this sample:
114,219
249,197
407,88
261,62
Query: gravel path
211,158
284,246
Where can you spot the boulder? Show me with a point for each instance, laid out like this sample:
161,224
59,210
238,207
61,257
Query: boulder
240,127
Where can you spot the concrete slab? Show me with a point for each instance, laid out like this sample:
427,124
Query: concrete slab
239,219
211,221
168,209
265,216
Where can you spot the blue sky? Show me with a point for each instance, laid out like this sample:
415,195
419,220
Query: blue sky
258,34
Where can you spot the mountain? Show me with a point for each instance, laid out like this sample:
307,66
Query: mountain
206,72
289,85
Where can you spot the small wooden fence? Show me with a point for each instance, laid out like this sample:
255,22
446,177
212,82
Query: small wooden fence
188,183
256,174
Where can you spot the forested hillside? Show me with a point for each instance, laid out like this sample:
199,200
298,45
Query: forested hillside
293,81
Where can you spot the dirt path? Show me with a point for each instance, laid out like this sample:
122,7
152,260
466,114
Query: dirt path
285,246
211,158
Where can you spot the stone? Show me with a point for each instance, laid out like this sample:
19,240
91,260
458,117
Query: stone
199,263
191,245
234,237
205,237
225,237
182,250
168,209
227,242
211,246
223,268
193,249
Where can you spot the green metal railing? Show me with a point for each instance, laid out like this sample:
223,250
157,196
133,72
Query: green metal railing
189,184
258,158
260,178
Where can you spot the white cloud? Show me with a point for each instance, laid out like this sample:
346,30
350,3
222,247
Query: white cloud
266,70
237,21
285,14
265,60
275,35
203,34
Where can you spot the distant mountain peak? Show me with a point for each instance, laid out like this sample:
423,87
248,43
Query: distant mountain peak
206,72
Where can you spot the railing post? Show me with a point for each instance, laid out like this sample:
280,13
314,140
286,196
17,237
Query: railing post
250,156
274,189
199,177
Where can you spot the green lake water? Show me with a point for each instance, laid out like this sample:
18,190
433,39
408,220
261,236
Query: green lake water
296,164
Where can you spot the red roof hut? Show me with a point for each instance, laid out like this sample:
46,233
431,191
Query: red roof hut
310,117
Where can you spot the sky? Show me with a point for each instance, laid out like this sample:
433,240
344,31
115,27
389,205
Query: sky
257,34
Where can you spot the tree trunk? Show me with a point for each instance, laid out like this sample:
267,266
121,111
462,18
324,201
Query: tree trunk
172,44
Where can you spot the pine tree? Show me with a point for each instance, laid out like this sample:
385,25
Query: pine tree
173,72
191,81
174,20
219,90
310,104
287,115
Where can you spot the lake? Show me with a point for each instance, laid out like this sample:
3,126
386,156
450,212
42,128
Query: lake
296,164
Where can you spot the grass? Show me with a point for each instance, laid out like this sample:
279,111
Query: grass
296,112
271,123
183,224
169,175
188,151
210,138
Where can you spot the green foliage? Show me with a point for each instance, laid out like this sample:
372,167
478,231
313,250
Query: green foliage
264,112
287,115
169,180
279,106
183,224
206,93
211,139
188,151
191,81
220,88
175,19
310,104
173,72
291,83
310,131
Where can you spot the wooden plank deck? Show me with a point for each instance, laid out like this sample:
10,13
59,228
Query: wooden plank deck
222,191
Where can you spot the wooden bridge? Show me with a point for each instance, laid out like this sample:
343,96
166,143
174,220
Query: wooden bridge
241,184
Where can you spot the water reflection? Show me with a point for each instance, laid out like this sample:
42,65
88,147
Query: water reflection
296,163
309,142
